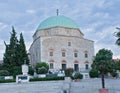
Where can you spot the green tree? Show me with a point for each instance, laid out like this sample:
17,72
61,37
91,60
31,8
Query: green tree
68,72
93,73
42,70
117,34
23,56
4,73
16,70
102,62
78,75
31,70
40,65
10,57
15,54
117,65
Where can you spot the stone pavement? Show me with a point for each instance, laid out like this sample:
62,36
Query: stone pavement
92,86
84,86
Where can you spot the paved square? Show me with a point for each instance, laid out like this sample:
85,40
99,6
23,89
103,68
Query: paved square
84,86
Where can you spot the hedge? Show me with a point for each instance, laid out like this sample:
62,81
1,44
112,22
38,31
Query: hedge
7,81
47,79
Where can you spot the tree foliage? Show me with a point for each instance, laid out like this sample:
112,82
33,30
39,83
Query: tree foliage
31,71
15,53
117,34
10,57
23,56
42,70
78,75
103,60
4,73
68,72
117,65
93,73
40,65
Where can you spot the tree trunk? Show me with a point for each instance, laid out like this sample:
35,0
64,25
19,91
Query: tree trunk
103,81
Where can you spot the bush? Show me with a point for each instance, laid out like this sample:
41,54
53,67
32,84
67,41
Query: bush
114,74
93,73
41,64
4,73
16,71
31,71
68,72
42,70
7,81
47,79
78,75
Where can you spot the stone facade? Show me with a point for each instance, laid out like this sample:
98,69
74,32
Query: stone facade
61,48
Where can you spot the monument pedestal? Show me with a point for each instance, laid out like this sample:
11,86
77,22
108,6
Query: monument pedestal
103,90
24,77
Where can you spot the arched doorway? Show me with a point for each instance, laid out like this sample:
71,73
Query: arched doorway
76,66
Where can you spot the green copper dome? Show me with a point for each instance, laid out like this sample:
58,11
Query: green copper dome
54,21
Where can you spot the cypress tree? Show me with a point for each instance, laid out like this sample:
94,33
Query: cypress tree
22,51
10,56
15,54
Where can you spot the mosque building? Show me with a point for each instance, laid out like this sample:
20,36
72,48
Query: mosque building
59,42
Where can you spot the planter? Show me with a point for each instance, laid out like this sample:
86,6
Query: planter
77,80
103,90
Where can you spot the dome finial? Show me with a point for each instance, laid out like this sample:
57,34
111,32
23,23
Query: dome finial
57,12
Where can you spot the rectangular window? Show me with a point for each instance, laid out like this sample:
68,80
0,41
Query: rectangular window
75,54
69,43
51,65
51,53
63,54
86,55
86,66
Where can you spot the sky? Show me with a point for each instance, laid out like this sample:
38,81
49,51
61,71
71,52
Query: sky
97,19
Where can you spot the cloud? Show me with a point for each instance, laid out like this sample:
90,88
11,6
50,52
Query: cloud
30,11
2,25
97,19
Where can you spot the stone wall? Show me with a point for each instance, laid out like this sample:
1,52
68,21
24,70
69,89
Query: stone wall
56,40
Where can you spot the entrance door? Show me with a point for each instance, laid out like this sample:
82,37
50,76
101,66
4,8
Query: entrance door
63,66
76,67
